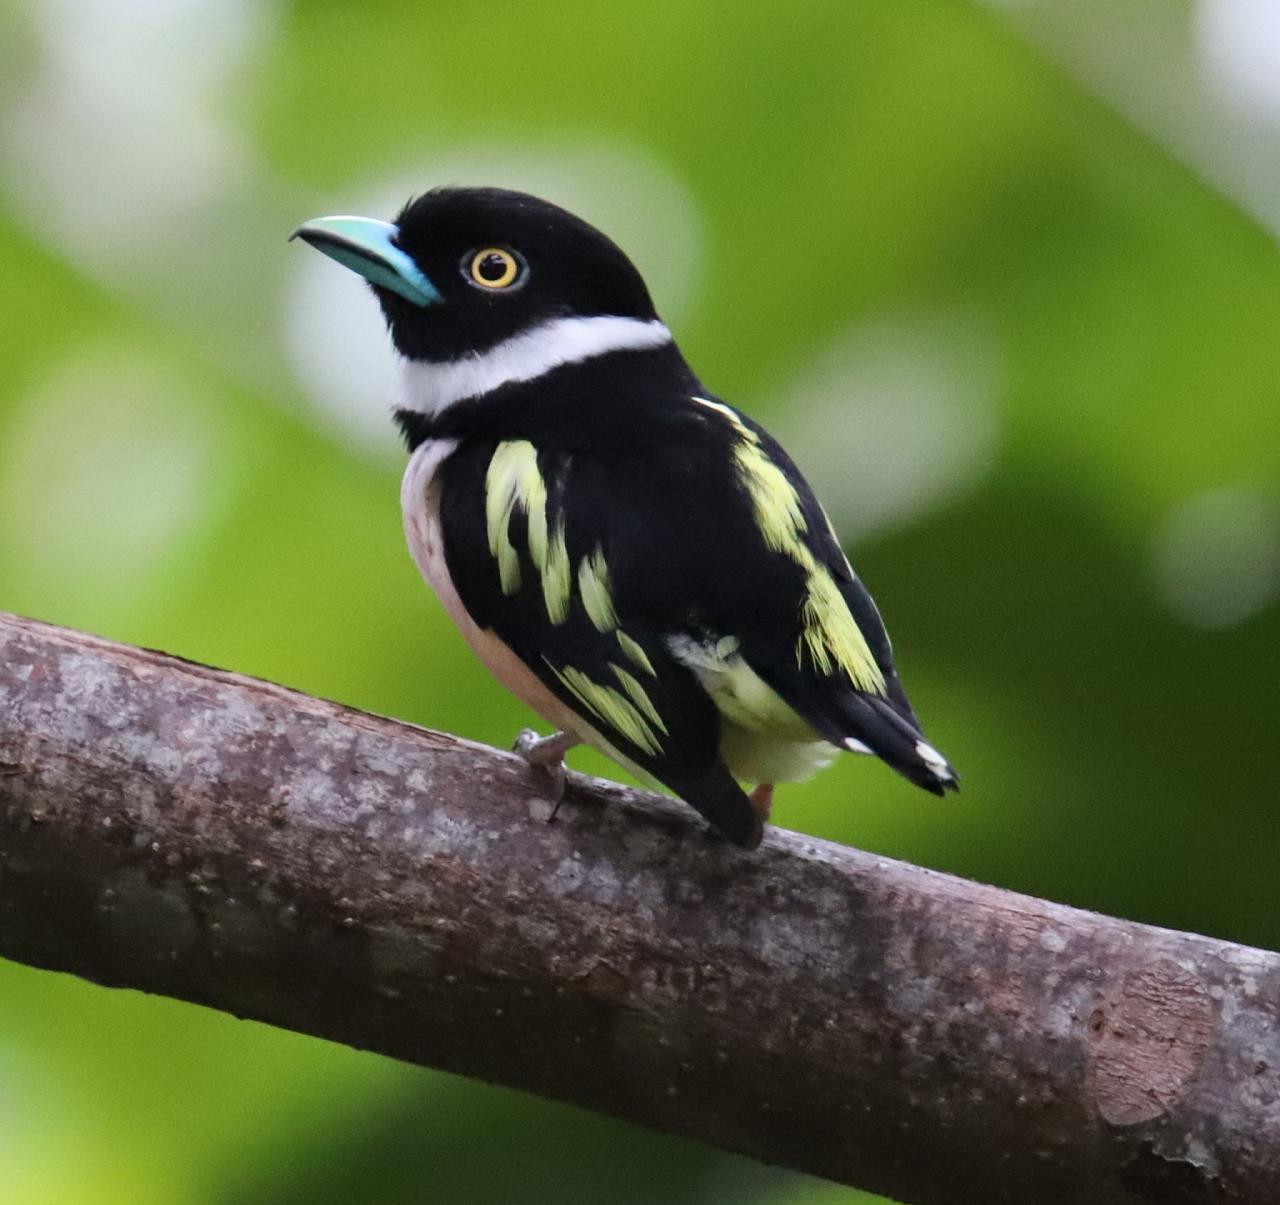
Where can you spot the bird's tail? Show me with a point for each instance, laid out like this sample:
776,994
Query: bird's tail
878,726
719,798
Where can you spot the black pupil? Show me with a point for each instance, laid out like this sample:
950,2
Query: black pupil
493,267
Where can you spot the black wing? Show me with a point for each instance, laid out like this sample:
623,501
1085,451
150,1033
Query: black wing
596,569
714,532
839,696
529,558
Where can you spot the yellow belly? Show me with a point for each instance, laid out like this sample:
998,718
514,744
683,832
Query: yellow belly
761,757
762,738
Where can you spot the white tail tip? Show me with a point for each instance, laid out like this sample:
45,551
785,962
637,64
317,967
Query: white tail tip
935,761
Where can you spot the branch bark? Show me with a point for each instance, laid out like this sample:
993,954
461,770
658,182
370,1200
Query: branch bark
181,830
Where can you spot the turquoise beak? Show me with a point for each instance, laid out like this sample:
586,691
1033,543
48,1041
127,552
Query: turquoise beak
368,247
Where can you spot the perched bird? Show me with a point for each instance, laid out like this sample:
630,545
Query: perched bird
637,560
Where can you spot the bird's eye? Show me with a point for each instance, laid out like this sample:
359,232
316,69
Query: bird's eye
493,268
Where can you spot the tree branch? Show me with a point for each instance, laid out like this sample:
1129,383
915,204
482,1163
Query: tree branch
177,829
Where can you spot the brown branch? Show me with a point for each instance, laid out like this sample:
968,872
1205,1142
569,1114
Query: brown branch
177,829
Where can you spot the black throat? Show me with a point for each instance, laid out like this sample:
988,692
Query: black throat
610,405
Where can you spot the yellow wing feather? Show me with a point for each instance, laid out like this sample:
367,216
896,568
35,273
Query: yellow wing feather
829,633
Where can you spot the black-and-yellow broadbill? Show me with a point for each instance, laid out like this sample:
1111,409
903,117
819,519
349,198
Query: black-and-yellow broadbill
632,556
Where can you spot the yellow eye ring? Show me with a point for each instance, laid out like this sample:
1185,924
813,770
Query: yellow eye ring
493,268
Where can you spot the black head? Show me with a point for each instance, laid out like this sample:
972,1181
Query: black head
463,269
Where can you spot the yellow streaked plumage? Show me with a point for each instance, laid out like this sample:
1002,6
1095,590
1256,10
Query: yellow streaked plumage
614,707
777,505
829,626
830,634
636,654
507,482
513,481
557,584
638,695
593,586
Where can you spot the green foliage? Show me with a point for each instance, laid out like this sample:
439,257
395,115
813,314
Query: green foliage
911,179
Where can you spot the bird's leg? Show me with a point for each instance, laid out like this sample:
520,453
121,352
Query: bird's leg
547,752
544,751
761,797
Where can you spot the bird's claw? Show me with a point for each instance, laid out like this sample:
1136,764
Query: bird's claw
547,754
526,743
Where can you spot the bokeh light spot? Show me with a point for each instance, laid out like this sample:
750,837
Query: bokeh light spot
895,415
1239,46
105,467
99,165
1217,556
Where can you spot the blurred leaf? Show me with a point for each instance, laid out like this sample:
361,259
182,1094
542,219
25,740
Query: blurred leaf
848,169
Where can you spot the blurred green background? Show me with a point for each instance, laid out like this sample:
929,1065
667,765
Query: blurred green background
1004,278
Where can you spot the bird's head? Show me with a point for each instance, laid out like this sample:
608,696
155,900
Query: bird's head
462,270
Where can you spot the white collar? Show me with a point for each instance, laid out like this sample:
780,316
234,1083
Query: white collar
429,386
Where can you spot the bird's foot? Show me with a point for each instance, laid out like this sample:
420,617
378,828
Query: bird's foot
761,797
547,753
